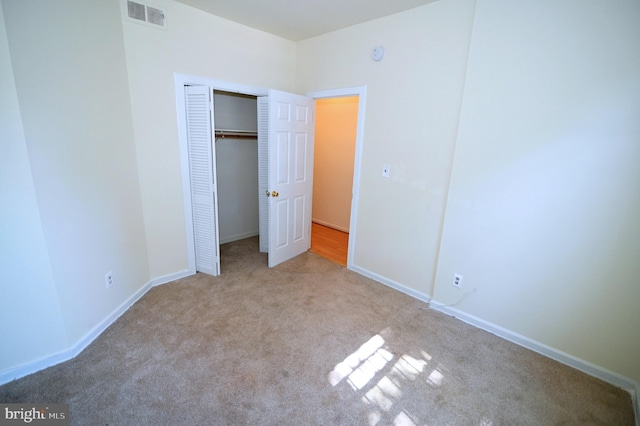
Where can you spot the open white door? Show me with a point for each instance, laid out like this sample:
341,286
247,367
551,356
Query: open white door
290,174
202,174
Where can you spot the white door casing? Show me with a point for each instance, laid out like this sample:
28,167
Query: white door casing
290,174
202,176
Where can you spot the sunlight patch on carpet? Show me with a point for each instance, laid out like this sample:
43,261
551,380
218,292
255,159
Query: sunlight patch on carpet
361,365
403,419
435,378
410,367
361,369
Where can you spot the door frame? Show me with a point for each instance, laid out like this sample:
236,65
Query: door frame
361,92
181,80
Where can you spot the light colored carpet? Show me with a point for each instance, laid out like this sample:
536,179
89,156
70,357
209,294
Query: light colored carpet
308,342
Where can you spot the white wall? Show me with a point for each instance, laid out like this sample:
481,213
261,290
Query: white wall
31,323
71,84
333,161
413,103
237,167
544,203
198,44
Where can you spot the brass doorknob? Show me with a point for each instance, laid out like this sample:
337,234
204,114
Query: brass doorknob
274,193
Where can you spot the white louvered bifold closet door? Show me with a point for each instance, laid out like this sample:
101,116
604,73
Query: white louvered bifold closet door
263,171
204,192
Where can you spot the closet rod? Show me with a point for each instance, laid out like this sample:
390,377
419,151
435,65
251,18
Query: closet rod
222,133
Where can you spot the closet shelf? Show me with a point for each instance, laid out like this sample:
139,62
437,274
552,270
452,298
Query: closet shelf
229,133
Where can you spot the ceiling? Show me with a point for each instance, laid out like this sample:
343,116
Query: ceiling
300,19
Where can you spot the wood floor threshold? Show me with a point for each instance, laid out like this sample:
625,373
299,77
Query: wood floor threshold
329,243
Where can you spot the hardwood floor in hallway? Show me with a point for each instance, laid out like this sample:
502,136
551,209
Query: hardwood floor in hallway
329,243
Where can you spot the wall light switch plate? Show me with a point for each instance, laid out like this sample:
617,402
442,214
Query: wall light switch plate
386,170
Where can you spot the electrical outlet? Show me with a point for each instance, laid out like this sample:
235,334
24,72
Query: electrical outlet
108,279
457,280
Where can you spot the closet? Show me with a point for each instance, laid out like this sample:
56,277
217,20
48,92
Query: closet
236,145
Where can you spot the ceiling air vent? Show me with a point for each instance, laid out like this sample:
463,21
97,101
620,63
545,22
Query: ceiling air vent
145,14
155,16
136,11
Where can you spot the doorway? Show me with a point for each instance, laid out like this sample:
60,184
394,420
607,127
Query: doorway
334,159
236,146
351,100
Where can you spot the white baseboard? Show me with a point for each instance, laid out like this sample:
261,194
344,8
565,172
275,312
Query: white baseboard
615,379
330,225
31,367
171,277
90,336
390,283
231,238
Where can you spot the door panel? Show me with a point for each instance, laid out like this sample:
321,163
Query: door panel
298,218
300,157
282,217
290,175
282,157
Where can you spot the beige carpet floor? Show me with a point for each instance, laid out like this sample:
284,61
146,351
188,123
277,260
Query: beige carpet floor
306,343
